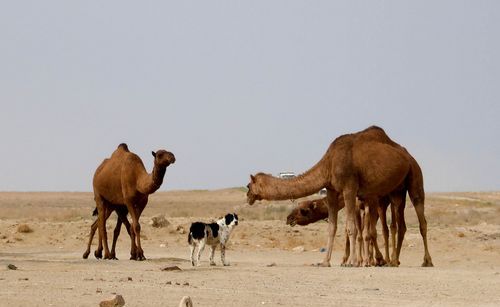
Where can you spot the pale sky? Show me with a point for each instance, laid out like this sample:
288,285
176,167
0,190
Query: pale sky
237,87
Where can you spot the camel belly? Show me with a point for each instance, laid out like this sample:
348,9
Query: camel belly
380,169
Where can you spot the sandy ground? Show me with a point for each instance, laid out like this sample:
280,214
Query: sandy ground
464,238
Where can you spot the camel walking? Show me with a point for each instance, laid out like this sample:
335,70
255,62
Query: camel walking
122,180
367,165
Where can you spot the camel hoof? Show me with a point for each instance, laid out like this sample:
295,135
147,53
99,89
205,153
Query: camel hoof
322,264
141,258
98,255
213,264
380,262
427,264
86,255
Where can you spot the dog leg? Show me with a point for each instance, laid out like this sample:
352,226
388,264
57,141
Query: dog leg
200,250
192,247
212,253
223,254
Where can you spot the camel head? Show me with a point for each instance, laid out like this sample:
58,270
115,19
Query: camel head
308,212
256,188
163,158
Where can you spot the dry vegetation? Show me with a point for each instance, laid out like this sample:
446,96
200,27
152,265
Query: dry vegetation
47,232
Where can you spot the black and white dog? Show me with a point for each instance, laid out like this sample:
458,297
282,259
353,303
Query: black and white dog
212,234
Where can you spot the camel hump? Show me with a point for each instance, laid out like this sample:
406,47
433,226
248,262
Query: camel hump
123,146
374,128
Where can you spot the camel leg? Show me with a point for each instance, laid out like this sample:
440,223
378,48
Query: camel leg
352,224
399,199
333,210
93,229
374,215
419,209
394,229
382,213
136,232
103,212
98,251
122,219
116,233
128,227
347,249
366,239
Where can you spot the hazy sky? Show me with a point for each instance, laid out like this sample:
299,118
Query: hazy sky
237,87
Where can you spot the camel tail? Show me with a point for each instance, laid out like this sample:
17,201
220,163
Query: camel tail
95,212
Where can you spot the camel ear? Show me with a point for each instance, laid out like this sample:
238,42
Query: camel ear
252,178
153,153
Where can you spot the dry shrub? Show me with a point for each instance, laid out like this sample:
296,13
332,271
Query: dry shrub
24,228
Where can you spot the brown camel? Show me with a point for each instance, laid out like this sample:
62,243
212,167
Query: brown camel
122,212
311,211
367,165
122,180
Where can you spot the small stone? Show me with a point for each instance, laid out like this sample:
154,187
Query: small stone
169,282
299,249
12,267
116,301
185,284
271,264
129,278
98,290
186,302
322,250
159,221
171,268
23,278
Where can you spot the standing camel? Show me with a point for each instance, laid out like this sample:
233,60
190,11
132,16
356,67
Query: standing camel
122,180
367,165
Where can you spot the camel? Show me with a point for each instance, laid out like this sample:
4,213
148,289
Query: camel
122,212
122,180
311,211
366,165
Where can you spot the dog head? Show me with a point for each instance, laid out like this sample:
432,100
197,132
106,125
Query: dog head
231,219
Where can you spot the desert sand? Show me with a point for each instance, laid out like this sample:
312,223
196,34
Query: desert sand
45,234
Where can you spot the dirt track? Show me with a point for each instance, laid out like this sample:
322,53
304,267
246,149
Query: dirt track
51,272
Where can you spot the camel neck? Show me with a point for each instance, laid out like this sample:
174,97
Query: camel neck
154,180
303,185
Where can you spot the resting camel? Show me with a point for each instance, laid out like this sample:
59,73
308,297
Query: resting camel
122,180
311,211
367,165
122,212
